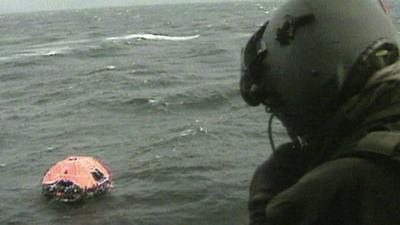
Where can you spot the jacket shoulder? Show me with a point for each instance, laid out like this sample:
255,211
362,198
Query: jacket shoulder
311,198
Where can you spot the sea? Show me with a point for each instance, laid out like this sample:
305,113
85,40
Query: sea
150,90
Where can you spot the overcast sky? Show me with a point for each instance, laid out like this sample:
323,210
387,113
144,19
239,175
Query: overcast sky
7,6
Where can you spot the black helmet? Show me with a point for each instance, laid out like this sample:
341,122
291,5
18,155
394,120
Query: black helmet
313,55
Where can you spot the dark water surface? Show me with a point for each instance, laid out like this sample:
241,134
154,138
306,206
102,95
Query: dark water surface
153,91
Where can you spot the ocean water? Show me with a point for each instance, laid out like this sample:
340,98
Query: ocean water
152,91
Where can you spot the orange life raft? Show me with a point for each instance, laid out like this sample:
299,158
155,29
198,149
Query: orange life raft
76,178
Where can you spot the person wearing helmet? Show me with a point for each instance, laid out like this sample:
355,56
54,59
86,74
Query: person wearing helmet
330,71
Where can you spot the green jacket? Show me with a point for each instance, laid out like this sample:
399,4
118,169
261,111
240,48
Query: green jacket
350,172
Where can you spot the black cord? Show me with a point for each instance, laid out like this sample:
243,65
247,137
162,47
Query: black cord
271,139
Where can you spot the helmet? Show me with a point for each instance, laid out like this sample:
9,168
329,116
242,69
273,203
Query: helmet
315,54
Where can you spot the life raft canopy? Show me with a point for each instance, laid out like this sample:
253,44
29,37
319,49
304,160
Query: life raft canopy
76,178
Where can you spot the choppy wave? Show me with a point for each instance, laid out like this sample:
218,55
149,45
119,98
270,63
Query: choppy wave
75,46
155,37
58,49
61,43
51,48
37,52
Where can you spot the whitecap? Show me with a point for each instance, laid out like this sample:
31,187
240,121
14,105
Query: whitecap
36,52
51,148
152,101
109,67
203,130
51,53
46,51
187,132
155,37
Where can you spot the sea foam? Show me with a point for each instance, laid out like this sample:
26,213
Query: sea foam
153,37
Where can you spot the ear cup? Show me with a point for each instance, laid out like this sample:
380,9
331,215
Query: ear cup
251,57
